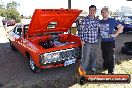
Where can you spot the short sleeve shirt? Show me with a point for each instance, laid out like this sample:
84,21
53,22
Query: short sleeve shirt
107,27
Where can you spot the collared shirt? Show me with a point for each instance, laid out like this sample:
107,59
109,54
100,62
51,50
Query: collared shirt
89,30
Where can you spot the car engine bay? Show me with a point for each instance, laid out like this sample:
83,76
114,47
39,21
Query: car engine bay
52,42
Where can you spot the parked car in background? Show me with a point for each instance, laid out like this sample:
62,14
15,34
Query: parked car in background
127,23
43,41
10,22
127,28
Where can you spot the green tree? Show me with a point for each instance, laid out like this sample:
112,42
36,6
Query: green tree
1,6
12,5
2,12
11,11
13,14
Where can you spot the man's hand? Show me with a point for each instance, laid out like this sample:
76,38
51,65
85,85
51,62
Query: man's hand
82,42
120,29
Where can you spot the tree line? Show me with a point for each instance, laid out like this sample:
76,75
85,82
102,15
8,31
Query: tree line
9,11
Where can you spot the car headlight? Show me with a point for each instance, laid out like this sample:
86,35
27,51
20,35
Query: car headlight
50,57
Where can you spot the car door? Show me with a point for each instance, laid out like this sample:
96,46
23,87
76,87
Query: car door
13,36
22,40
18,37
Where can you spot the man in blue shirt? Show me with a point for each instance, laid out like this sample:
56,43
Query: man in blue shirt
108,34
89,28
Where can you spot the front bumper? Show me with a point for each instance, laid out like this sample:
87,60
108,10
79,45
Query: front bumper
56,64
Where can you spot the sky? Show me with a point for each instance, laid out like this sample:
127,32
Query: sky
28,6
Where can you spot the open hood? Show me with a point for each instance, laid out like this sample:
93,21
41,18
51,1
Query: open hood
52,20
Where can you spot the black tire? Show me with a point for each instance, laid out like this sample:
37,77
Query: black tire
12,46
33,66
128,43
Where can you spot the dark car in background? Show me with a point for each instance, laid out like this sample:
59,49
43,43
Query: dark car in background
10,22
127,48
127,28
127,23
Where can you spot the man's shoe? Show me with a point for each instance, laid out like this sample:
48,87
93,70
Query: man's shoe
94,70
111,73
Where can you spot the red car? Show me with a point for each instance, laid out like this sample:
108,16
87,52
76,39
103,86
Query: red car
44,41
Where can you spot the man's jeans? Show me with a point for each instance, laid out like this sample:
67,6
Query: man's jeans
89,55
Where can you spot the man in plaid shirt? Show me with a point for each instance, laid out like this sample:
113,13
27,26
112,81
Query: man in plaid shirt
89,35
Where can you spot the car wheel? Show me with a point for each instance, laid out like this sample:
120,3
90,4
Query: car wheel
33,66
12,46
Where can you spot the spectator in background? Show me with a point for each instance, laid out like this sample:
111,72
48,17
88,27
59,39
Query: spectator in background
108,35
4,24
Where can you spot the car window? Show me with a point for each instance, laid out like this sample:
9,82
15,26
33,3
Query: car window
25,29
14,29
18,30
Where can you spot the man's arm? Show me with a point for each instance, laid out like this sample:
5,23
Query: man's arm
119,30
81,35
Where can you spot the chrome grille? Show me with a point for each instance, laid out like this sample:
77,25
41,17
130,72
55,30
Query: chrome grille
73,53
63,55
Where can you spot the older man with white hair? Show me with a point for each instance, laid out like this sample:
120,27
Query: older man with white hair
108,35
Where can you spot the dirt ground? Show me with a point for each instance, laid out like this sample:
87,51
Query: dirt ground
15,72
